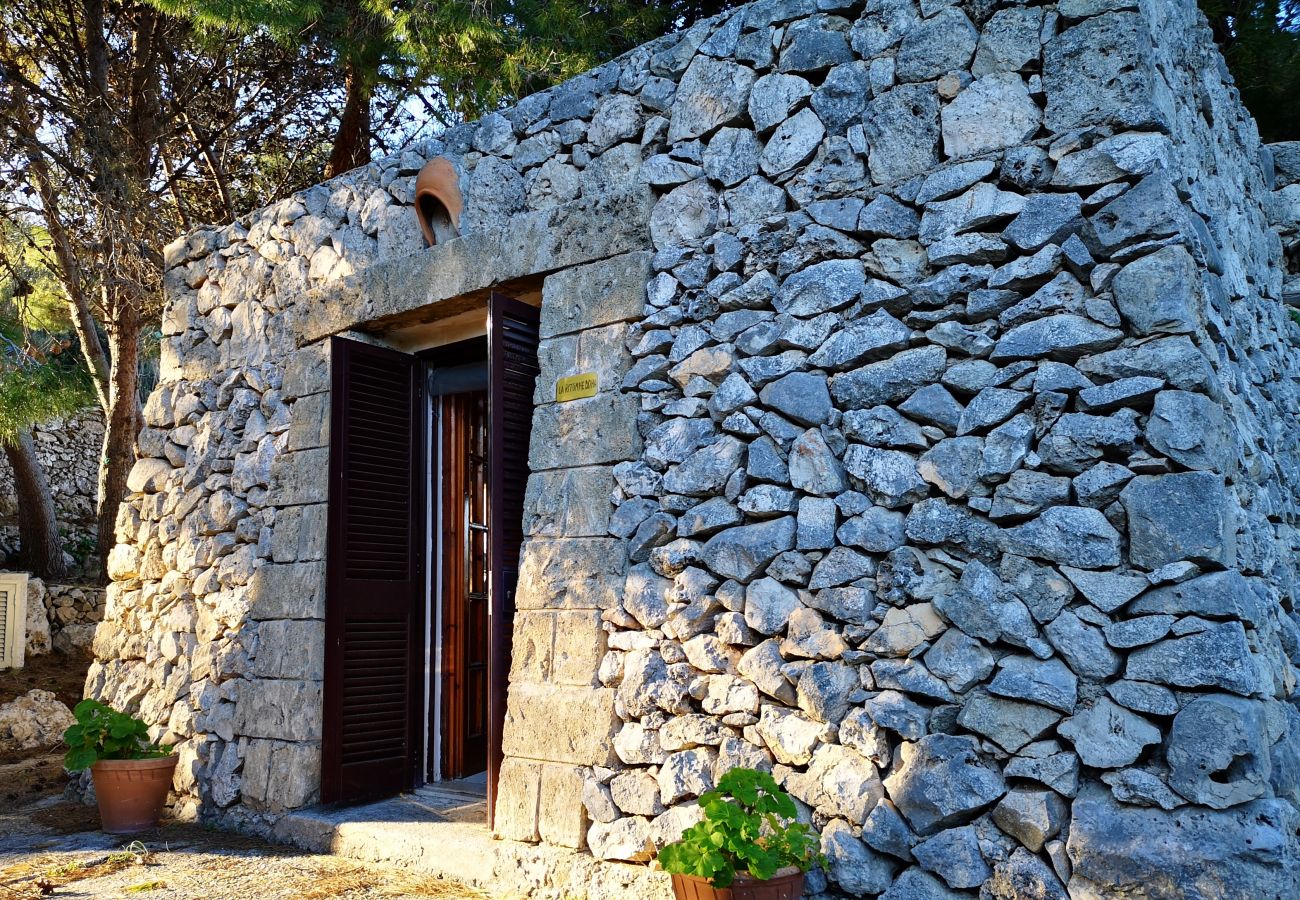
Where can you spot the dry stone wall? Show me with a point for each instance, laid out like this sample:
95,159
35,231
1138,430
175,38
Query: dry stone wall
944,460
69,451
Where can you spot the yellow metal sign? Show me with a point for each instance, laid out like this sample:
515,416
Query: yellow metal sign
575,387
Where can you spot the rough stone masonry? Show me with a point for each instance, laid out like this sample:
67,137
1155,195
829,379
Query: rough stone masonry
944,463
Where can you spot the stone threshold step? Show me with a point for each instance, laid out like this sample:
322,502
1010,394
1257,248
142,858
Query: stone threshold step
443,833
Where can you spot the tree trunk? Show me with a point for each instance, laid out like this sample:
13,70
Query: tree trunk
122,423
352,140
38,523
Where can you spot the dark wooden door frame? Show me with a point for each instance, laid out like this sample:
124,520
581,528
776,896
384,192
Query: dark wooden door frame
513,334
373,592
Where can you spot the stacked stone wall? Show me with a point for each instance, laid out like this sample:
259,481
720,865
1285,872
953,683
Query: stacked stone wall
69,451
943,462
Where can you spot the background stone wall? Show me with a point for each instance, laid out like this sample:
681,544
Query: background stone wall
950,474
68,450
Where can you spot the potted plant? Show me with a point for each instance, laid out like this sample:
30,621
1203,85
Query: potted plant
748,847
132,774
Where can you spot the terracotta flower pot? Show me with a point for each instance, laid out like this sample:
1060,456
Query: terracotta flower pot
131,792
787,885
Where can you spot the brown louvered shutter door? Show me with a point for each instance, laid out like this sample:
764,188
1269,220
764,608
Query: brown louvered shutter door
512,373
374,623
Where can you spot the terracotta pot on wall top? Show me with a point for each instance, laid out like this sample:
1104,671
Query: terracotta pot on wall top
787,885
131,792
438,202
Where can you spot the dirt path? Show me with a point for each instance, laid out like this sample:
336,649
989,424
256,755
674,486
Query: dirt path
52,849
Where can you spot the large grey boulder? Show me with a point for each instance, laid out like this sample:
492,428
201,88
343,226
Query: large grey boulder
1192,430
1182,516
941,781
1250,852
1218,657
712,92
993,113
742,552
1107,736
1070,535
1161,293
1218,751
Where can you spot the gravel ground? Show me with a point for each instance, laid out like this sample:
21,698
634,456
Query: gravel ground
54,849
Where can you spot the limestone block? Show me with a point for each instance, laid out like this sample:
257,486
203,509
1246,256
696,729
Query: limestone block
518,789
589,296
574,573
280,775
532,647
591,431
290,649
602,351
568,235
310,426
579,647
307,372
1101,71
299,533
560,724
288,710
561,815
712,92
569,502
297,478
288,591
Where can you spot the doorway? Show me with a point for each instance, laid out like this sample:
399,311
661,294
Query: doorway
428,467
458,690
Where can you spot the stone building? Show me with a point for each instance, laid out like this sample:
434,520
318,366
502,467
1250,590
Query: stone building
913,410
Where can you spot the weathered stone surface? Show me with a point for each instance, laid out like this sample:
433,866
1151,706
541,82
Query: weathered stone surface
712,92
742,552
1161,293
774,97
941,782
1187,853
1047,682
34,721
1083,646
942,43
1008,723
890,380
902,129
1218,751
1092,76
1031,817
800,396
890,477
855,866
1064,337
992,113
813,467
1217,657
1069,535
1191,430
1107,736
794,142
1181,516
954,855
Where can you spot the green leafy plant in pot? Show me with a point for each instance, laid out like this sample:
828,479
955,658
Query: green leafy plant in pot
132,774
748,847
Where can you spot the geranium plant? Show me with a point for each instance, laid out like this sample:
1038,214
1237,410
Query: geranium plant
102,732
749,826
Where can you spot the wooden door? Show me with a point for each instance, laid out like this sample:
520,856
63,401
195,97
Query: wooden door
374,621
512,374
466,527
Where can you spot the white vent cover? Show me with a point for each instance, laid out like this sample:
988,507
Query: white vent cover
13,619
